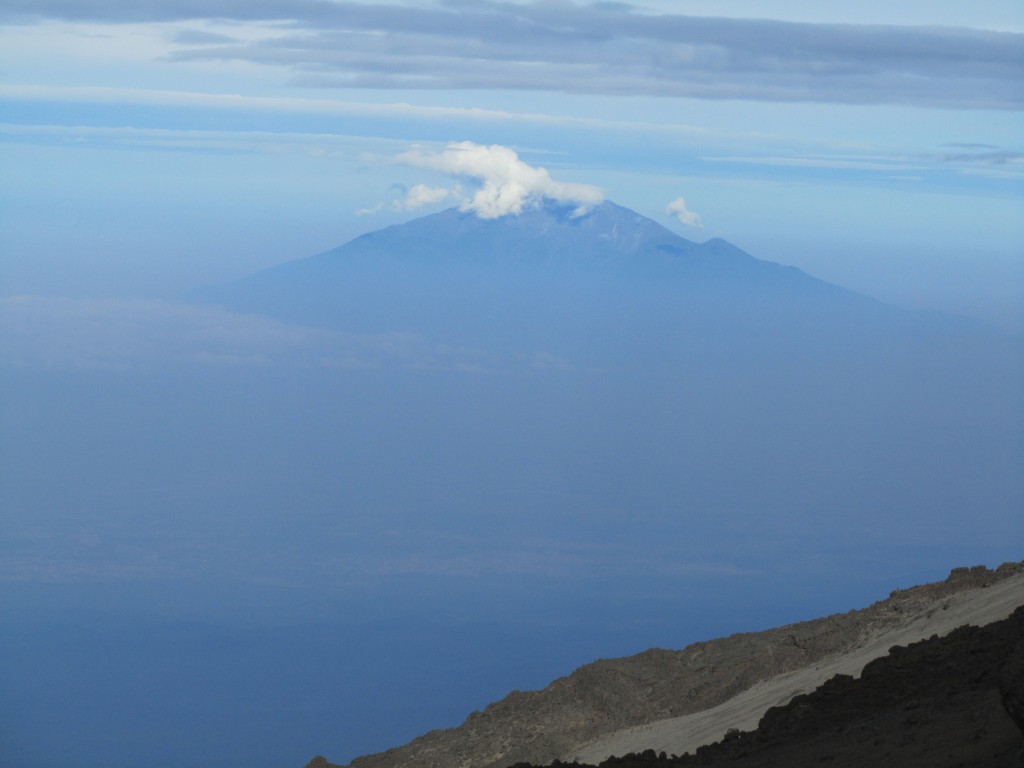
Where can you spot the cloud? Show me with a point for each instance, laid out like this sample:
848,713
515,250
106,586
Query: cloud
416,197
607,48
173,139
678,209
421,195
170,98
506,184
122,335
200,37
976,159
103,96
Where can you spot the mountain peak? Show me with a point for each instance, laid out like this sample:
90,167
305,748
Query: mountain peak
458,275
544,232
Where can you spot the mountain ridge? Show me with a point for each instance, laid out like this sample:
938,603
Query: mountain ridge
610,695
953,701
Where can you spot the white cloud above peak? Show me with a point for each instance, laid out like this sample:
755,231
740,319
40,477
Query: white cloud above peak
504,183
420,195
685,216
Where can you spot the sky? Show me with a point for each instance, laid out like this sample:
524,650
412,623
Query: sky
149,148
230,539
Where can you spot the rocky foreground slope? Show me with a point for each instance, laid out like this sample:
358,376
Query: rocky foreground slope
603,707
953,701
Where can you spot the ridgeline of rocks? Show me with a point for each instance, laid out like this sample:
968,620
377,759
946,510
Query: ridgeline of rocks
952,701
901,710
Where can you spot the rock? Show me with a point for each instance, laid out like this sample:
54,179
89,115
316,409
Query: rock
614,694
1011,685
901,713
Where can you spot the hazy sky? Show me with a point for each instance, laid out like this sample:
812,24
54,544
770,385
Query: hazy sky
432,503
151,147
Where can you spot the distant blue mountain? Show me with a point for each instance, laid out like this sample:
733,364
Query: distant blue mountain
544,277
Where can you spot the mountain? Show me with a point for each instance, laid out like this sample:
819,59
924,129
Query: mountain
543,277
675,701
547,241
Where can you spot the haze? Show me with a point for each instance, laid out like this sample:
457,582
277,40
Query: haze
251,516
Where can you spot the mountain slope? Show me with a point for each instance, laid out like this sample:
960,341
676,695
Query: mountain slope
744,711
944,702
608,696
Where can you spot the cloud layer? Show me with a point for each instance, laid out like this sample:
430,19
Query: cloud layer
504,183
608,48
111,334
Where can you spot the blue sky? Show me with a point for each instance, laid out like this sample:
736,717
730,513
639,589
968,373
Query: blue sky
151,147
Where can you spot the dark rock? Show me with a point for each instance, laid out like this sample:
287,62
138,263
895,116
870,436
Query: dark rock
1011,685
